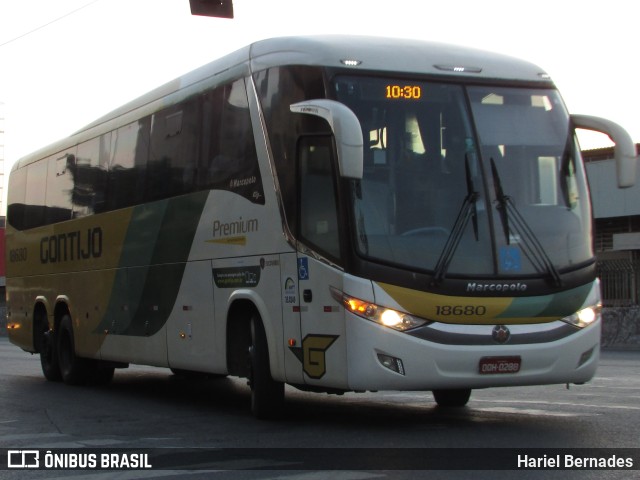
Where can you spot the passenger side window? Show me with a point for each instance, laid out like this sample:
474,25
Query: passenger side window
60,186
34,213
229,160
129,149
174,144
90,177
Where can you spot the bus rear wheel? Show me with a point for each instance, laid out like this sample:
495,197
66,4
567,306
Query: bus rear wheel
452,398
49,357
44,342
74,370
267,395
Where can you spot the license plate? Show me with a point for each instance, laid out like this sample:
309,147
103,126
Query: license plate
499,365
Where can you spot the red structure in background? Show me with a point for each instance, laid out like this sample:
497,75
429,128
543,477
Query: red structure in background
2,258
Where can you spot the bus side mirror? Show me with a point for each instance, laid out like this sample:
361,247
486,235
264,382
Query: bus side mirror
624,149
346,130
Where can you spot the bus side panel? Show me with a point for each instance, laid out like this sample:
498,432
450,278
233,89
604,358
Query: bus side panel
150,350
153,259
19,314
22,262
83,294
68,262
141,301
191,325
291,317
323,346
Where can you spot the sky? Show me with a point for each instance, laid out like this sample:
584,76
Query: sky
65,63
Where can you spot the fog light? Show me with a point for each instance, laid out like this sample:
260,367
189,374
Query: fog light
584,358
392,363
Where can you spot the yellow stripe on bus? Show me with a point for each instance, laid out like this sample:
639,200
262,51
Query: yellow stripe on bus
458,310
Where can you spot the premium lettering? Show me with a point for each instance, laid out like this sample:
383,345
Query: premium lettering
224,229
71,246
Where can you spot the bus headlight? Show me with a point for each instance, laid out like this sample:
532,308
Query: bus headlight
387,317
584,317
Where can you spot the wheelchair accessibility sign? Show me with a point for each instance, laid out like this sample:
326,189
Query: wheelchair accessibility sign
303,268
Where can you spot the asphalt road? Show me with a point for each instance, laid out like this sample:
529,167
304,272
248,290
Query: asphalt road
354,436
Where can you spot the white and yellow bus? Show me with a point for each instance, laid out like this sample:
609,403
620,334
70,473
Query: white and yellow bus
334,213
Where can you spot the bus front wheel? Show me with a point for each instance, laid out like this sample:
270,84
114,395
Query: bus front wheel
267,395
452,398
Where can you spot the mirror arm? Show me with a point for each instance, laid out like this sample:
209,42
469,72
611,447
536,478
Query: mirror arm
624,151
346,130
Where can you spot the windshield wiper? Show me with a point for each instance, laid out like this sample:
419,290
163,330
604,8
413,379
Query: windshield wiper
533,249
503,201
467,211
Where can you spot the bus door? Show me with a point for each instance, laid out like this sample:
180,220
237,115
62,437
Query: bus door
322,348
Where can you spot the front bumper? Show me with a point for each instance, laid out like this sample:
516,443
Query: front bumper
448,357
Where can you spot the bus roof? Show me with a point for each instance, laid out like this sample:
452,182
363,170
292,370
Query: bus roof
373,53
392,55
367,53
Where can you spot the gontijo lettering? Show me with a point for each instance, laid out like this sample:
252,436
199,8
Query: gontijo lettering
78,245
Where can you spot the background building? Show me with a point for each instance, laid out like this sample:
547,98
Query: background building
617,229
3,210
617,243
3,207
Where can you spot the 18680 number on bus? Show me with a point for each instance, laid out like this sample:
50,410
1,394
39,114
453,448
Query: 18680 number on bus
459,310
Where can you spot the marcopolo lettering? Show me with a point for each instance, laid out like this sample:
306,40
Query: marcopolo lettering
496,287
65,247
242,182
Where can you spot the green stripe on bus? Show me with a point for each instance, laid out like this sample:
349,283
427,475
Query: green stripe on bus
558,305
148,279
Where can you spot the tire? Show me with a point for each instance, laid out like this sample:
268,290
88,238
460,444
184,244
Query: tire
74,370
452,398
267,395
49,356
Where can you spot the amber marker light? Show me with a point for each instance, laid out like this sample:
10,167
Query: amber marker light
387,317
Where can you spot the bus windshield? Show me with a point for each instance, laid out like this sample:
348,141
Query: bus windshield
467,180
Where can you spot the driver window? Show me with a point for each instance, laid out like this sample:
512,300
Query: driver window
318,207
